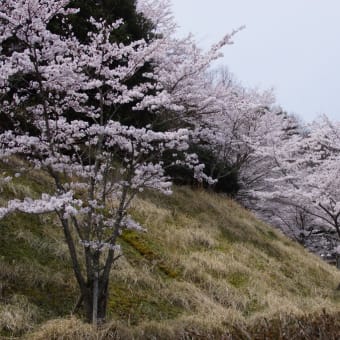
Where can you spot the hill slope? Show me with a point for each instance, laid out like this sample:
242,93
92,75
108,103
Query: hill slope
204,265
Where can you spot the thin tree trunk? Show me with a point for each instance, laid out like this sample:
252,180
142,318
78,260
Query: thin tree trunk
73,254
88,301
102,301
95,299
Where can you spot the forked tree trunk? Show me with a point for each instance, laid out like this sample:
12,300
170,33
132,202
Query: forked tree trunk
95,304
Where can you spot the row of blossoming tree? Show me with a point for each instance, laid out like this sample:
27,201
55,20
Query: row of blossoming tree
75,109
302,192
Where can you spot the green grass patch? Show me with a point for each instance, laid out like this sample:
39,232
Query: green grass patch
134,305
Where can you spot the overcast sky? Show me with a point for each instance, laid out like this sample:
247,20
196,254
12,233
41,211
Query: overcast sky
290,45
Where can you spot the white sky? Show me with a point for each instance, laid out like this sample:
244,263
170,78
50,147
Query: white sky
290,45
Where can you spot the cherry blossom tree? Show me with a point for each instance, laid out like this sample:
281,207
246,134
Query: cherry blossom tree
238,130
60,98
304,188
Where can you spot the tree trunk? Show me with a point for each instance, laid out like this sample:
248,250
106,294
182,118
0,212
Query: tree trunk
102,302
95,301
87,303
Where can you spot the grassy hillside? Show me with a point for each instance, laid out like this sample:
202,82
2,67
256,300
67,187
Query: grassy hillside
205,267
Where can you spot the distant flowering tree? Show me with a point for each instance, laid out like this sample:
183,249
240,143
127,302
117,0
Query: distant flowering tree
307,180
238,128
59,98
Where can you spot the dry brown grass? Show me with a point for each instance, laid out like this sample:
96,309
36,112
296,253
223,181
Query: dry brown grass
18,316
206,267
